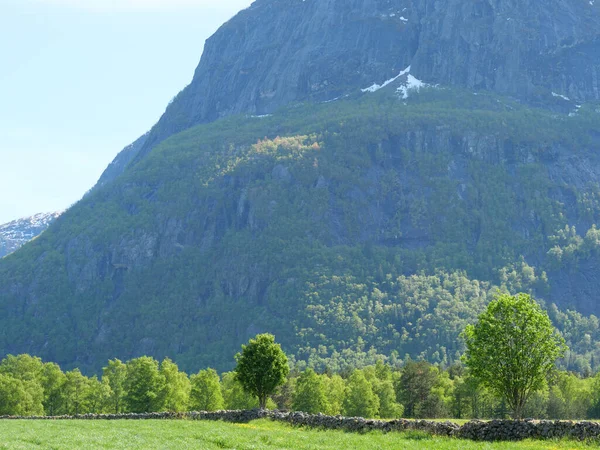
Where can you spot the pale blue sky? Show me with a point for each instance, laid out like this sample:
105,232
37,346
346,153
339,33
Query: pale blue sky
80,80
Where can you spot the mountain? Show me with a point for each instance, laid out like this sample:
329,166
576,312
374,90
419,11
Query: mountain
15,234
357,177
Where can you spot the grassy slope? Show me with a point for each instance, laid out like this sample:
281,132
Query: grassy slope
210,435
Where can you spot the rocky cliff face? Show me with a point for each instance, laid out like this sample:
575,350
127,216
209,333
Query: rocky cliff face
119,164
15,234
281,51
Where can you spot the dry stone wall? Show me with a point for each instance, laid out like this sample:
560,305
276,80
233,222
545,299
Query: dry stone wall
478,430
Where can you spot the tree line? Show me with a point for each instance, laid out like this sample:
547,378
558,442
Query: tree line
508,369
417,390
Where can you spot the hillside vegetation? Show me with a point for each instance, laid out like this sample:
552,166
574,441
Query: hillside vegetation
364,226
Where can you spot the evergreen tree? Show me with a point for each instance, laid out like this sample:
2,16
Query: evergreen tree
414,386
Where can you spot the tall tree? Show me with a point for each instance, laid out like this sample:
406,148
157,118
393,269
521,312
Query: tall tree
175,393
115,374
20,398
415,385
512,348
360,400
206,391
143,385
261,367
97,396
53,380
75,390
309,395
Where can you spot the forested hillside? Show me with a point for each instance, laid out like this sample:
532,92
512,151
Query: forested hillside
370,225
358,177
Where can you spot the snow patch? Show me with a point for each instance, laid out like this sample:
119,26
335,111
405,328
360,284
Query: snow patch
412,84
262,116
564,97
375,87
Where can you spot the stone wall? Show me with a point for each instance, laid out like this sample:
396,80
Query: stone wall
494,430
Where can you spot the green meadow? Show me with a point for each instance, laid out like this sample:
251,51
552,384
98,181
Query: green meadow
260,434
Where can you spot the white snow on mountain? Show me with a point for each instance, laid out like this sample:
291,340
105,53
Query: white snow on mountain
375,87
18,232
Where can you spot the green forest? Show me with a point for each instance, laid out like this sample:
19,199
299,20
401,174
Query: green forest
357,231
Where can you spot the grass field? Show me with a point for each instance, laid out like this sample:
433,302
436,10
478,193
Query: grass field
260,434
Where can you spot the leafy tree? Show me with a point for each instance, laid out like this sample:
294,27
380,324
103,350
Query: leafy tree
261,367
143,385
115,374
335,391
20,398
360,400
97,396
234,395
381,379
175,392
24,367
75,390
53,380
309,395
206,391
512,348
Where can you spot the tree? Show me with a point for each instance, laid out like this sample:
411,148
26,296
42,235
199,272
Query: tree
20,398
261,367
53,380
24,367
114,374
75,390
360,400
414,389
381,378
97,396
143,385
175,392
512,348
234,395
335,390
309,395
206,391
